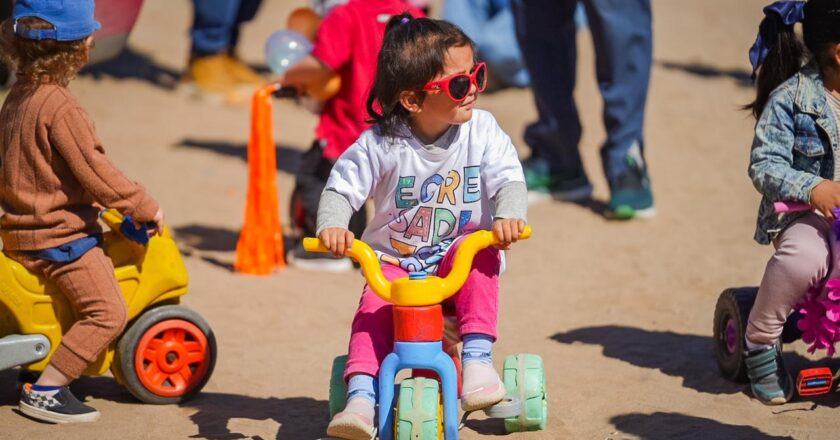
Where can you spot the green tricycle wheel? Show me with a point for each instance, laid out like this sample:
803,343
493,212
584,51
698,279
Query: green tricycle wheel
524,377
338,389
419,414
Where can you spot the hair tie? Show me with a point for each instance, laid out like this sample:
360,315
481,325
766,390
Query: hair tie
404,20
788,13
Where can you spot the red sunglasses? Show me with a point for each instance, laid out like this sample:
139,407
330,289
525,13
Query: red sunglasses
458,86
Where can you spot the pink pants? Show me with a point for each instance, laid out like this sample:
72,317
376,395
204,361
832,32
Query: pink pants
476,309
805,256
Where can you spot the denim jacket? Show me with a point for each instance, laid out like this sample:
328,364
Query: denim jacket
795,142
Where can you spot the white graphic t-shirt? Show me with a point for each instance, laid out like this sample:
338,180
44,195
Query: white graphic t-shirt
424,198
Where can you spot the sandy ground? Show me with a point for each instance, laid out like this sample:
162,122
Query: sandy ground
620,312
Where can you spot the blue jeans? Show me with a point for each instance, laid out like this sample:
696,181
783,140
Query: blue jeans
621,30
216,24
490,24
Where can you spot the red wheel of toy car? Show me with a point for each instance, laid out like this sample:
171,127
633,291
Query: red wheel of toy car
172,358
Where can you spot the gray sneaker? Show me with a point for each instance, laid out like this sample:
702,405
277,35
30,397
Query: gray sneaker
770,382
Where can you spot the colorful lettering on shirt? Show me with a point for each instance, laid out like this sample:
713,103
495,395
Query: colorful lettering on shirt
472,191
444,224
449,186
401,196
425,196
466,215
399,224
420,225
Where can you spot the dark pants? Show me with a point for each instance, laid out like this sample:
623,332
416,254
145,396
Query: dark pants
216,24
621,31
310,180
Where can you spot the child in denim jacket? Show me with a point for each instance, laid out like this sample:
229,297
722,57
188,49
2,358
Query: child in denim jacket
793,159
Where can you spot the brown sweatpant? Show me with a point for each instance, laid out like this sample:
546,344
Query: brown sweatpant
806,254
90,286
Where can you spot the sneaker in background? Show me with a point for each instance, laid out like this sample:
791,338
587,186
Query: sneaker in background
242,72
543,185
58,406
316,261
630,193
211,75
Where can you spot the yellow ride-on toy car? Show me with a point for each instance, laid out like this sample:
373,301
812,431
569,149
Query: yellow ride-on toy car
167,352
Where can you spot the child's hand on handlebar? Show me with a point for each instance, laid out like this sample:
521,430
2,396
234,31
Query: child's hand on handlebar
337,240
154,227
507,231
825,197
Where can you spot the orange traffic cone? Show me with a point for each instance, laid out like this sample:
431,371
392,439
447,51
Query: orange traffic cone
260,246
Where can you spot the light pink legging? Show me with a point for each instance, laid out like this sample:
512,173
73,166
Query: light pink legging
806,252
476,309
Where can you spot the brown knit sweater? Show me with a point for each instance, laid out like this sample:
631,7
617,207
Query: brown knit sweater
53,169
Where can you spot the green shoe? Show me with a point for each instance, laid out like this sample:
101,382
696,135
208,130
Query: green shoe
770,382
542,184
630,193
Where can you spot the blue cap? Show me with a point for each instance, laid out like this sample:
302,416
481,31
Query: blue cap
72,19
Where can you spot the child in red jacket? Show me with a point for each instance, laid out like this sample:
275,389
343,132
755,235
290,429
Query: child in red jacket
347,44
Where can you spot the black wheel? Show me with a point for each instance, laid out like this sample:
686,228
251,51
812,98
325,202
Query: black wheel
166,355
730,325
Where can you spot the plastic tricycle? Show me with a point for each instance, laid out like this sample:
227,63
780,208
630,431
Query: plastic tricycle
167,352
730,325
425,408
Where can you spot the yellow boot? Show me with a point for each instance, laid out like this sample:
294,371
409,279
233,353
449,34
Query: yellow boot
243,73
211,75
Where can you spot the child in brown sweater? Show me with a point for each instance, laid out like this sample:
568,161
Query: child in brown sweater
54,177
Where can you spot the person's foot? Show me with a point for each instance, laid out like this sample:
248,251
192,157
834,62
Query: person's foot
543,185
316,261
244,73
769,380
355,422
481,386
630,193
211,75
55,406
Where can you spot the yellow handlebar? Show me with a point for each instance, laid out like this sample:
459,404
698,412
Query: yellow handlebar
112,218
422,292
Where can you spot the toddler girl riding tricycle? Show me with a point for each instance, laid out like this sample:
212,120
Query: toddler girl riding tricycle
422,407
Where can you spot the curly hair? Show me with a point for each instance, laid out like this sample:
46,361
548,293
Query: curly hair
38,62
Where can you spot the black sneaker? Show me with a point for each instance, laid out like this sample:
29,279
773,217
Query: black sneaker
61,407
316,261
630,193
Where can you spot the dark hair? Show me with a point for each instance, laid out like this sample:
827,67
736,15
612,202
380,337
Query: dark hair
821,31
41,61
413,52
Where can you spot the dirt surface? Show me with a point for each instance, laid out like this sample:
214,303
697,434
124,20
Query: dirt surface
620,312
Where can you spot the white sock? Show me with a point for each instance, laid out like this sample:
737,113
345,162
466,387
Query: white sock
752,346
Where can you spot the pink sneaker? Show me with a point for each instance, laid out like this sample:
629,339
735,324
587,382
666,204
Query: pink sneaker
351,426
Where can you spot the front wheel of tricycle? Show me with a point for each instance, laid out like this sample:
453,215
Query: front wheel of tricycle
166,355
419,413
524,377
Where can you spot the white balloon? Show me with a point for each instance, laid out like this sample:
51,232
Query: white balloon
284,48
